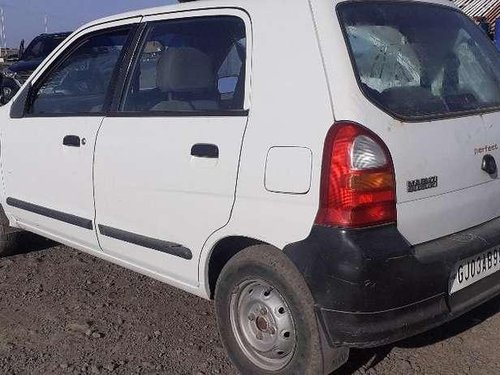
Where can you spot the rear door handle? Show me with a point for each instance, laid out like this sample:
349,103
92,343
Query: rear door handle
205,150
72,141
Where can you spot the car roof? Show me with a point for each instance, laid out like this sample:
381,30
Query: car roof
204,4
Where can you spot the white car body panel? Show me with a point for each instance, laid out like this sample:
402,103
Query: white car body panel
39,170
159,190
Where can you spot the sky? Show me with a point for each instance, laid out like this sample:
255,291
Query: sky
24,19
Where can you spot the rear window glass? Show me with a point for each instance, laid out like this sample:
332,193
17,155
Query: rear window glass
420,60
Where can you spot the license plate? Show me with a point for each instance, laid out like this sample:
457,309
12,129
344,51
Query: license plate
471,270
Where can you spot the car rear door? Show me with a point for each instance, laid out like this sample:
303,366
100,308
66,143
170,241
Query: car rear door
431,78
48,154
166,163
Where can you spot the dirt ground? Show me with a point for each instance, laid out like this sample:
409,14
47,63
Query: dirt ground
64,312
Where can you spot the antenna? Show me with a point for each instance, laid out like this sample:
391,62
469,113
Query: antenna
46,23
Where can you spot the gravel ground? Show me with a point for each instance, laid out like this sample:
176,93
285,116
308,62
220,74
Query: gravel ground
64,312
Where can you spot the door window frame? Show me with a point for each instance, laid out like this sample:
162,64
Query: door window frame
135,52
66,53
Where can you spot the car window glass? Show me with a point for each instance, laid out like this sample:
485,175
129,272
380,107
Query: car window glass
192,65
421,60
229,71
81,82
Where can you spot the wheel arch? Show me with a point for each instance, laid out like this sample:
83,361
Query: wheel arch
222,252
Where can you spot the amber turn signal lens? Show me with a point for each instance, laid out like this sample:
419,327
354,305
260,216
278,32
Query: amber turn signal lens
370,181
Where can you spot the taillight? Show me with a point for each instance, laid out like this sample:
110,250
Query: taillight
357,182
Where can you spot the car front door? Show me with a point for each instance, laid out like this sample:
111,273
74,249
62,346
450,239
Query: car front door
48,154
166,164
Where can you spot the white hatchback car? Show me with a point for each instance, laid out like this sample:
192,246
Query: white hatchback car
325,170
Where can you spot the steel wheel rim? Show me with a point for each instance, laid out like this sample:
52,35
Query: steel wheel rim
263,325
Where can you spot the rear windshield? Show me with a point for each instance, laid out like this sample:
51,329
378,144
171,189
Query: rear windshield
420,60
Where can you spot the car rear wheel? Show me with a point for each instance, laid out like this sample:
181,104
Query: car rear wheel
262,324
265,314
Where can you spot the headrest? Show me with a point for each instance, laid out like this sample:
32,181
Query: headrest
185,69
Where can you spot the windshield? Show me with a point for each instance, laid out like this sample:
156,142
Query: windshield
421,60
41,47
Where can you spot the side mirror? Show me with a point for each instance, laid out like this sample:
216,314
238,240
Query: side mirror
18,108
21,50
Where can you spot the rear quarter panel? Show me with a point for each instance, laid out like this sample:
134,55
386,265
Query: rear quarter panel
289,106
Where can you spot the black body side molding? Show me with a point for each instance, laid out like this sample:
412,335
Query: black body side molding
53,214
151,243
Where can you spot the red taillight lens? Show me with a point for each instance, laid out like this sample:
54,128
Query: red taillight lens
357,182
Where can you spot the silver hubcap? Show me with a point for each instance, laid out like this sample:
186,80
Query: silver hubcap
263,325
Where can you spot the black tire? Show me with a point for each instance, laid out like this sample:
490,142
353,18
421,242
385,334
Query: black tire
9,237
272,266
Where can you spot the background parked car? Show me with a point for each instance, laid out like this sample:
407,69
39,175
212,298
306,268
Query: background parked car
485,12
13,77
497,34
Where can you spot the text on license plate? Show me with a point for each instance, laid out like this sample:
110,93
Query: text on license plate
470,270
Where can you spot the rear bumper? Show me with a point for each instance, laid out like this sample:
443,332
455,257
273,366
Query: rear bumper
372,288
